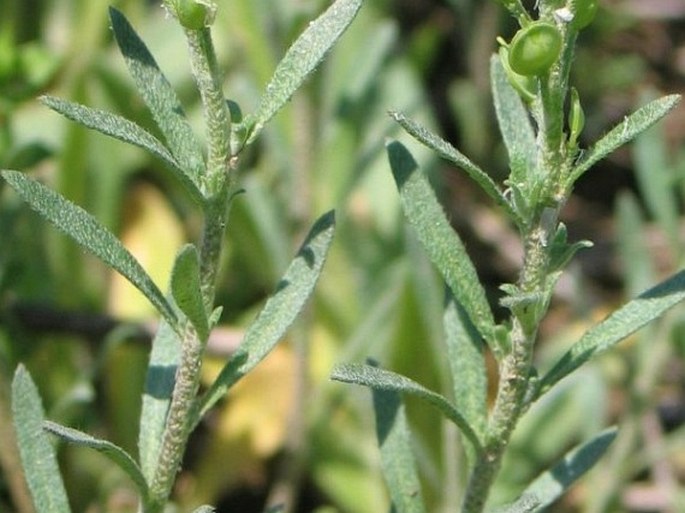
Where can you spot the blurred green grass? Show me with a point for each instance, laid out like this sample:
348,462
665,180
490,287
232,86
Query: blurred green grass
378,296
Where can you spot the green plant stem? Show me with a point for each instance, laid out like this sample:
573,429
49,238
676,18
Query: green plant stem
217,116
179,422
218,182
514,370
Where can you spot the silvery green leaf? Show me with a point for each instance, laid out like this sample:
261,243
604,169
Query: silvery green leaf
37,454
449,152
122,129
89,233
397,459
381,379
552,484
631,127
302,58
279,312
466,358
621,323
515,127
205,509
441,242
115,453
159,385
160,98
186,289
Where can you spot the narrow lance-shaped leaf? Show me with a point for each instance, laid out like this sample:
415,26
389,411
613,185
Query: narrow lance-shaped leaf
621,323
186,290
449,152
624,132
550,485
110,124
89,233
381,379
397,458
467,365
122,129
159,385
302,58
160,98
37,454
278,313
440,241
115,453
514,125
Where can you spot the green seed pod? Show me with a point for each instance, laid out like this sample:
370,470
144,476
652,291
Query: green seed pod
526,87
535,48
194,14
584,12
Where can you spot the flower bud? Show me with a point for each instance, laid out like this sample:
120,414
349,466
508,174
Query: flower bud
194,14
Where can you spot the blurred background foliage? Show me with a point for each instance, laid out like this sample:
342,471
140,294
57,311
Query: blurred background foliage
286,432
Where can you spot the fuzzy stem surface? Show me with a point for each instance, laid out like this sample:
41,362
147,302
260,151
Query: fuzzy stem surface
218,181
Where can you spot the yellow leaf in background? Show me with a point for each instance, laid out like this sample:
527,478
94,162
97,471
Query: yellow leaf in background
258,405
152,233
247,429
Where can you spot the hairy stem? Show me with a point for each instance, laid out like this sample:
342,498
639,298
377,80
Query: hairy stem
218,181
514,372
178,424
217,115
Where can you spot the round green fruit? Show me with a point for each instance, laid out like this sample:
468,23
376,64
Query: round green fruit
535,49
195,14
